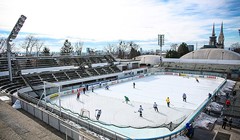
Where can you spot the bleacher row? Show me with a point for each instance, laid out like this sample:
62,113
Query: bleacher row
10,87
201,67
53,76
44,62
64,75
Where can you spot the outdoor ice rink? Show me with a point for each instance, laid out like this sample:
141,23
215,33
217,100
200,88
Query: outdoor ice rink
148,90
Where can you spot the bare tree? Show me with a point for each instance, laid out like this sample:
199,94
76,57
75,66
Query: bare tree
110,48
38,47
29,44
78,47
174,47
2,45
123,48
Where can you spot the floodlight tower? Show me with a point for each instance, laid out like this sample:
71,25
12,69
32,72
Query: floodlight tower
12,36
160,43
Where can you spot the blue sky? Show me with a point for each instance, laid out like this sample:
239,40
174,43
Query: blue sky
98,23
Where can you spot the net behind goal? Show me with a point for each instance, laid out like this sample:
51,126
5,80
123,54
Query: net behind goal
85,113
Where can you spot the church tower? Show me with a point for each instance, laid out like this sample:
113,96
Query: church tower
212,39
220,43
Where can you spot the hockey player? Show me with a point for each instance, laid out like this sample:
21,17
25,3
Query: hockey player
107,87
197,79
99,112
87,86
134,84
78,94
155,106
84,90
168,101
209,95
184,97
126,99
140,110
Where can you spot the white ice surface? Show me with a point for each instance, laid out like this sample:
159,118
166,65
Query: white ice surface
148,90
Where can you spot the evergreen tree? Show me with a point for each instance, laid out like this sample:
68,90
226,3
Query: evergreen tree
67,49
183,49
172,54
133,53
46,51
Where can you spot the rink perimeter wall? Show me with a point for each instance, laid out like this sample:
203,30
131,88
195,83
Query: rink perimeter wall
105,132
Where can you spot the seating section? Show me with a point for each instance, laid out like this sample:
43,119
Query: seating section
34,79
4,65
222,68
43,62
101,70
72,74
115,68
26,63
48,77
82,73
108,70
109,58
92,72
13,86
61,76
46,63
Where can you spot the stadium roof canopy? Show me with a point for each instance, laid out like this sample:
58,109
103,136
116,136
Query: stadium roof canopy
149,59
215,54
155,59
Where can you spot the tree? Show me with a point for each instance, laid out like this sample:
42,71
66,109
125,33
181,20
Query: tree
235,47
67,48
110,48
78,47
122,49
2,45
174,47
134,50
46,51
172,54
183,49
38,47
31,43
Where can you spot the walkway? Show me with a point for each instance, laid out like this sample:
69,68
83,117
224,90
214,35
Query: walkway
14,125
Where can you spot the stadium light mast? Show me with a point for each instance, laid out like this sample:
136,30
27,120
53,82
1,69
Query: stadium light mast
160,43
12,36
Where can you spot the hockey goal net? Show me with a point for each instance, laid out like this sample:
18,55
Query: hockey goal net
85,113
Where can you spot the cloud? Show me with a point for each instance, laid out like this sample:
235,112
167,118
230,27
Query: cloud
113,20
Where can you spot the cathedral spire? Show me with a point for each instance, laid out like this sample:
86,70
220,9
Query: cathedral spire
212,39
213,30
221,38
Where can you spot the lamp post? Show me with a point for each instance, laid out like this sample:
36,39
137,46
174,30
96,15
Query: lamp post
160,43
12,36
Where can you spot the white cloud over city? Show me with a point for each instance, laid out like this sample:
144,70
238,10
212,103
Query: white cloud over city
112,20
